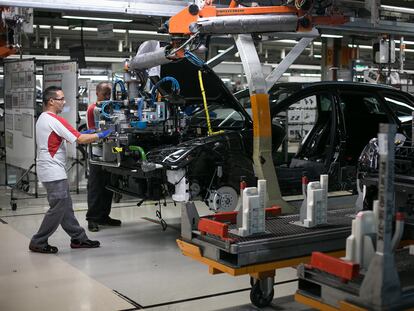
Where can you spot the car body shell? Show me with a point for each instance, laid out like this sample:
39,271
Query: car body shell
331,147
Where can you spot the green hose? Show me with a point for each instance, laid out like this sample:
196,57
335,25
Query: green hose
141,151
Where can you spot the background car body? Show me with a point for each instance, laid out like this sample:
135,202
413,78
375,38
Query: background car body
341,119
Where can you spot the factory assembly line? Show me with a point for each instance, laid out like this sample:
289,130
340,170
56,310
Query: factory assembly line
254,235
164,116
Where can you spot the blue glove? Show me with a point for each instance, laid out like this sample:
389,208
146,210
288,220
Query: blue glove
91,131
105,133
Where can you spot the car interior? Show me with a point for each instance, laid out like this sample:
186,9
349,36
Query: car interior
365,112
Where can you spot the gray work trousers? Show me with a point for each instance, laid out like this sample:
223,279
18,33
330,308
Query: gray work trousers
60,213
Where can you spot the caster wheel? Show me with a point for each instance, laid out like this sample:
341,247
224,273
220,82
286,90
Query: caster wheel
117,197
252,281
163,225
26,188
13,206
257,298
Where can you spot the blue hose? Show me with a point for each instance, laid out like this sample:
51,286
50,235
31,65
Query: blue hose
123,89
140,105
104,104
192,58
174,84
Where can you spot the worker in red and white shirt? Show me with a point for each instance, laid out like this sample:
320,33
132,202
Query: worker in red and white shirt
52,133
99,198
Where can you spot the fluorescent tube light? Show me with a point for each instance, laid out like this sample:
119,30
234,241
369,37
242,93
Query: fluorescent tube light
98,18
397,9
362,47
331,36
287,41
64,58
317,75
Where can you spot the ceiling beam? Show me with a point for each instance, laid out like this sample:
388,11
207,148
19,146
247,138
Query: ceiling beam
164,8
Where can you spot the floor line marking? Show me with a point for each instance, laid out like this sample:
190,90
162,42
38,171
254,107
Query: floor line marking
129,300
211,295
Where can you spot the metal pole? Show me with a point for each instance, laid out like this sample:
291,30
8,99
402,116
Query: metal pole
262,123
381,285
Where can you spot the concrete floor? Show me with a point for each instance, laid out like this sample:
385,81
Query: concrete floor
139,266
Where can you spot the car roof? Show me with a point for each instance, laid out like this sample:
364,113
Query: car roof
298,86
336,84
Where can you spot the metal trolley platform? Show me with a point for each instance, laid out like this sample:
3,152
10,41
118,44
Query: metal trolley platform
209,240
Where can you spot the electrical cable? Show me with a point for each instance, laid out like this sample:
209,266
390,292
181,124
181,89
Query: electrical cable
192,58
203,94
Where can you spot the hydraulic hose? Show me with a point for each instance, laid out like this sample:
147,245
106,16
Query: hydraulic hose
140,104
123,89
203,94
174,85
104,104
140,150
131,148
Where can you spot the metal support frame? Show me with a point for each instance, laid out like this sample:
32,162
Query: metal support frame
213,62
373,6
136,7
381,286
262,129
275,75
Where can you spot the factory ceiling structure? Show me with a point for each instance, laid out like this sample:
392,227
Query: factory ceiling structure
112,30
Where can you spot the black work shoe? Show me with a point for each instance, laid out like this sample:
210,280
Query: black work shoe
110,222
84,244
93,226
48,249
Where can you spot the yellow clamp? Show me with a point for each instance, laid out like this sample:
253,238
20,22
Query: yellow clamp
117,149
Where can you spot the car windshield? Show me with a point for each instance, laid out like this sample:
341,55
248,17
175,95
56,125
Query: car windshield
278,93
220,117
402,108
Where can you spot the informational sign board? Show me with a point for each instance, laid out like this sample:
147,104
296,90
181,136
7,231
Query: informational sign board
105,31
19,96
65,75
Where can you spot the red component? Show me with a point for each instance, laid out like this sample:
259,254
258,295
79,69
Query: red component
399,216
343,269
243,186
206,225
273,211
230,217
305,180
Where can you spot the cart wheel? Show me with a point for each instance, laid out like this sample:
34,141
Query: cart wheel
13,206
252,281
257,298
117,197
163,225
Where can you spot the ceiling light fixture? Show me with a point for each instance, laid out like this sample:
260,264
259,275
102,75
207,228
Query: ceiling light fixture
98,18
96,59
325,35
397,9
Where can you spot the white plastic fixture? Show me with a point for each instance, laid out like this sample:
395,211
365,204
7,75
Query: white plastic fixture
317,203
254,202
360,244
182,188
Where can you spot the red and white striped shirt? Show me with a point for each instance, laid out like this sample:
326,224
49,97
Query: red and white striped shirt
91,117
52,132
